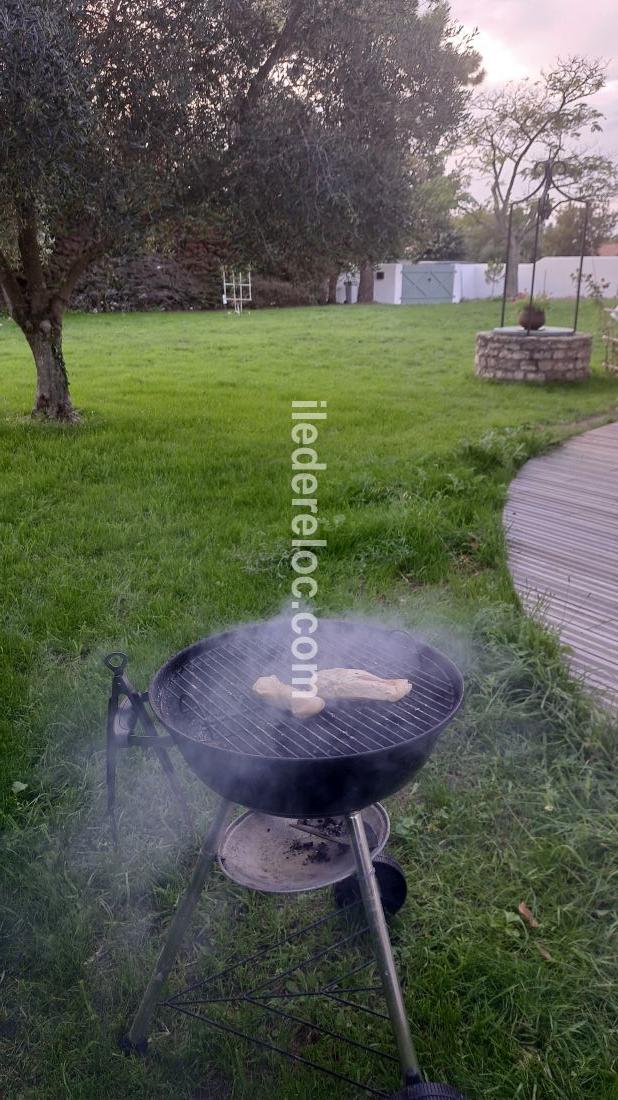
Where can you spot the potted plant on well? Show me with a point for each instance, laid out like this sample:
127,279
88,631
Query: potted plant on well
532,316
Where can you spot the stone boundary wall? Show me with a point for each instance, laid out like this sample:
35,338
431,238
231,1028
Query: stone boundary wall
515,357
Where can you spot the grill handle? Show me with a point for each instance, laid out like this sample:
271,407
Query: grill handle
116,662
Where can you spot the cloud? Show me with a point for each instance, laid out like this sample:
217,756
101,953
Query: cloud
499,60
537,31
518,38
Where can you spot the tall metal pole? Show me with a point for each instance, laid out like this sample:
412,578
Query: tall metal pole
582,253
534,258
506,265
376,920
138,1033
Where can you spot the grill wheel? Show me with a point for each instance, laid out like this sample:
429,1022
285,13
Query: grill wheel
391,880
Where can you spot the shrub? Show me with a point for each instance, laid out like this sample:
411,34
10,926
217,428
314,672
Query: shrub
146,282
278,292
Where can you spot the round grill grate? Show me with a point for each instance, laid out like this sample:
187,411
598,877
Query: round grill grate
205,692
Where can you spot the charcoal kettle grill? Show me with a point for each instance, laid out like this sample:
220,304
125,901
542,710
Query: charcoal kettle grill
334,766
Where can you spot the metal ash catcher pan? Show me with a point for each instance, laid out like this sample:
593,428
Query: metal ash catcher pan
311,788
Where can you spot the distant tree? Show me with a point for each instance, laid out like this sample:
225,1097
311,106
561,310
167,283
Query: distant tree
386,86
447,244
564,236
477,230
296,191
435,234
483,242
516,129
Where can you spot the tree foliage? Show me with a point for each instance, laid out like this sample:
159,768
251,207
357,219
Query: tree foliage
564,236
483,241
373,97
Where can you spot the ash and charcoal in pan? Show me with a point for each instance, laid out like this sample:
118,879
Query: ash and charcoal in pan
280,855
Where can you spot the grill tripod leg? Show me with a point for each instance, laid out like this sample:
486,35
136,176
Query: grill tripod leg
376,920
137,1036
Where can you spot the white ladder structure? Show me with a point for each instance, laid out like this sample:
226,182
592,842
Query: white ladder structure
236,289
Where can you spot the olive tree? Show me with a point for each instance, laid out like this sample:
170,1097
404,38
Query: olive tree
94,98
304,124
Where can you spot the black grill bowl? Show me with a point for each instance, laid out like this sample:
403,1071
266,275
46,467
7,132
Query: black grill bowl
341,760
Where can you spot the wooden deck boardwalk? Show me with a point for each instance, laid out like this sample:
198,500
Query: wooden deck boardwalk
561,523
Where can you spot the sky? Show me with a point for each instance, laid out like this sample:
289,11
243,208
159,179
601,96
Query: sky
518,38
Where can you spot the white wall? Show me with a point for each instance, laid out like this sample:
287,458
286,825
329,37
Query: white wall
470,282
553,279
553,275
387,291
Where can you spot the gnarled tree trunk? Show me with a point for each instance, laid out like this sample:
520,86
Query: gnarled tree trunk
38,290
365,283
52,401
332,288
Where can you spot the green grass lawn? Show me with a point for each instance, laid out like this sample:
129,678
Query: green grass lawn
165,516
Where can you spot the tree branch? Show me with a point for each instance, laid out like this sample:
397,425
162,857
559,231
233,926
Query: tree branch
81,263
105,35
28,245
10,285
277,51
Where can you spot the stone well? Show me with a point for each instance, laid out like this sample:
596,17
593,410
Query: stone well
512,355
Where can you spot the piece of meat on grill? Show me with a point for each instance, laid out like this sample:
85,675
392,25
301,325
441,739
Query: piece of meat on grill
333,683
356,683
274,691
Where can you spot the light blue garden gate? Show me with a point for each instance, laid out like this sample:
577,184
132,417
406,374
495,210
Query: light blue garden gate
423,284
